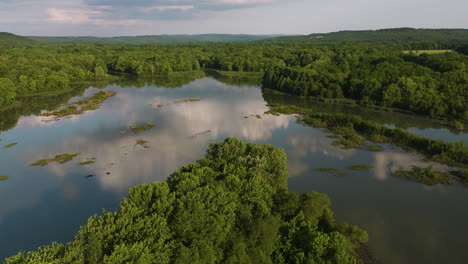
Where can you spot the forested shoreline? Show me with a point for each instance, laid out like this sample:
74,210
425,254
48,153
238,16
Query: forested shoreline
232,206
374,75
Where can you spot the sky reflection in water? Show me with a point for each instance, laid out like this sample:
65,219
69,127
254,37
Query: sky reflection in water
408,222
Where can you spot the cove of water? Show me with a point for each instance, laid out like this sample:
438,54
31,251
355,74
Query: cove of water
407,222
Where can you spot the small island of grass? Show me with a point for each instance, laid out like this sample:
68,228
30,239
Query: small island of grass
361,167
425,175
144,127
3,177
60,158
142,142
81,106
10,145
87,162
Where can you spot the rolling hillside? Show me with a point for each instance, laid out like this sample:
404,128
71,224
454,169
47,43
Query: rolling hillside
9,39
393,35
151,39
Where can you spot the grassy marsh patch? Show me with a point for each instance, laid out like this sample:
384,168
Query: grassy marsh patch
60,158
81,106
361,167
3,177
144,127
142,142
10,145
88,161
425,175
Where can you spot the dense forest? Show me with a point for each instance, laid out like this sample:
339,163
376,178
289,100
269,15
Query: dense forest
434,85
233,206
437,38
373,75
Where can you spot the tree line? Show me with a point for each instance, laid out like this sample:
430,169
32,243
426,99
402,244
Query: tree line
371,74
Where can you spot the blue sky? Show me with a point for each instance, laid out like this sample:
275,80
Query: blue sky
146,17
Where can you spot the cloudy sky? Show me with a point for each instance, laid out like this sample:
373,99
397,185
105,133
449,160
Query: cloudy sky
144,17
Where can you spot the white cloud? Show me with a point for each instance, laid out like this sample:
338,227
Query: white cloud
72,15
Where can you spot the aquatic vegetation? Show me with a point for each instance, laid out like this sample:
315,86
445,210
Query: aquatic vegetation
87,162
373,148
361,167
144,127
342,174
204,206
327,169
347,138
142,142
351,128
3,177
60,158
462,175
81,106
10,145
425,175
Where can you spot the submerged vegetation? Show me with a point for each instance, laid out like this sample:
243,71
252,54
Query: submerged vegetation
81,106
3,177
60,158
232,206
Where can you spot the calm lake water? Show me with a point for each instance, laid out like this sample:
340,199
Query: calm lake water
407,222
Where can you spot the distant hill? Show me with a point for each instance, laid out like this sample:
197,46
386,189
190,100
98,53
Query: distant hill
9,39
392,35
151,39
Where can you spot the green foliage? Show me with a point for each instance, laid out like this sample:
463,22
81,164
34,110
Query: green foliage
425,175
379,76
458,125
12,40
3,177
416,38
7,92
232,206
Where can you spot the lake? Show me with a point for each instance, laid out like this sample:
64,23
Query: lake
408,222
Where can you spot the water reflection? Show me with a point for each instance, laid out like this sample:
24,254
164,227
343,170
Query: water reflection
120,163
387,162
404,218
